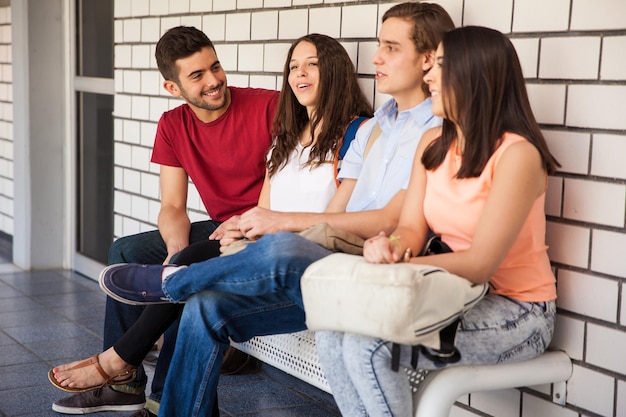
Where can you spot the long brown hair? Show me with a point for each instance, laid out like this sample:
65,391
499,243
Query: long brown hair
482,77
340,100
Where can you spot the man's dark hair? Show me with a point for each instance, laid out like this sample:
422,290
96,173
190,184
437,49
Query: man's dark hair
178,42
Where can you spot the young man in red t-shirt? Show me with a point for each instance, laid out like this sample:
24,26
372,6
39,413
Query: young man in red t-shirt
219,139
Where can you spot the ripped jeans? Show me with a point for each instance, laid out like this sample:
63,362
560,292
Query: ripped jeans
498,329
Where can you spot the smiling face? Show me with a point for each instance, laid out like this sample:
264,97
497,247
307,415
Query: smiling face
399,67
433,79
202,83
304,75
444,102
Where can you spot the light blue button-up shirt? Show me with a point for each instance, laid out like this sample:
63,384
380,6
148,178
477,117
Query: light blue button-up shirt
387,168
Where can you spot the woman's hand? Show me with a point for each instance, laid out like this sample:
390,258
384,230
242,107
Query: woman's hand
381,249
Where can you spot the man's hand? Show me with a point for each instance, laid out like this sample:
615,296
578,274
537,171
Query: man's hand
227,232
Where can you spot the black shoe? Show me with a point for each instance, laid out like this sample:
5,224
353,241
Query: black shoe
101,399
237,362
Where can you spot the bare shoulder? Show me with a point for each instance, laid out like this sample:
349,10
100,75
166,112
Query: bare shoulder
522,161
523,152
428,137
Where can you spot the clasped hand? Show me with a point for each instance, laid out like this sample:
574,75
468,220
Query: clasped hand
252,224
382,249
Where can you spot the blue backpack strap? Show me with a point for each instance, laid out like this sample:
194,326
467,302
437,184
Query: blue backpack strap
350,134
348,137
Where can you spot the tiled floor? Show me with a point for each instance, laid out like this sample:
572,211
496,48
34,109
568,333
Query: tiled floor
52,317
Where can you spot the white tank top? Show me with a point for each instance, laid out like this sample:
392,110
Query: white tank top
301,187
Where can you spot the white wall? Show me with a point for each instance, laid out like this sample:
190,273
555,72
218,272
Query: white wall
574,59
6,125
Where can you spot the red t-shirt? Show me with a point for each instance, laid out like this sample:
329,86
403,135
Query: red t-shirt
225,158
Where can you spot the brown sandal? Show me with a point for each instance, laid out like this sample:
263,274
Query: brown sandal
121,378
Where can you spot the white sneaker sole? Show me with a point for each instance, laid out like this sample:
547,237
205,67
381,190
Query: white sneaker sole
89,410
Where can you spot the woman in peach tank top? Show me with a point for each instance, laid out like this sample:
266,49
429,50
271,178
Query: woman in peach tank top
479,182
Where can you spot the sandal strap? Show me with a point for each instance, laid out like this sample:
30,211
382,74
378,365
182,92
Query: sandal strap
93,360
122,378
126,375
96,362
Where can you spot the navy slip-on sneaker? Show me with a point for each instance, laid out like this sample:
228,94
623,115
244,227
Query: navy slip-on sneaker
134,284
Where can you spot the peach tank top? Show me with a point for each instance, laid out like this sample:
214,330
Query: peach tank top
452,208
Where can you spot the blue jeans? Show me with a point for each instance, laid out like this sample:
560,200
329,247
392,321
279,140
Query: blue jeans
498,329
274,263
255,292
145,248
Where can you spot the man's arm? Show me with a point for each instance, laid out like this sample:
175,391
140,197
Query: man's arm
173,222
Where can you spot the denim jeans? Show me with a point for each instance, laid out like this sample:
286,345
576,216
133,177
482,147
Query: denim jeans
498,329
274,263
255,292
145,248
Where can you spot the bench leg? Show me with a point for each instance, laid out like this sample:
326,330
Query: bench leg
436,395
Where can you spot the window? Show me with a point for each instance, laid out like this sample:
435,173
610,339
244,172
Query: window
94,87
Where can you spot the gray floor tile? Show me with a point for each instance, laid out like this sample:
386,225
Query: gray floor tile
46,332
15,354
84,299
261,395
66,350
94,325
40,315
18,304
41,282
23,375
31,400
81,311
7,291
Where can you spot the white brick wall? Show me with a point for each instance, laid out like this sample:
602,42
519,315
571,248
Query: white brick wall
591,390
588,295
572,54
502,403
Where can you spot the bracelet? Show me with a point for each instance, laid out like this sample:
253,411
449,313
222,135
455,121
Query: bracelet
407,255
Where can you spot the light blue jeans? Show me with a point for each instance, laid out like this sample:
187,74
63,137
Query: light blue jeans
254,292
498,329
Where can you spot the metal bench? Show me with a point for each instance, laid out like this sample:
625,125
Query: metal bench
435,392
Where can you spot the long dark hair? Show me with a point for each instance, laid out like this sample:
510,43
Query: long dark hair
340,100
482,77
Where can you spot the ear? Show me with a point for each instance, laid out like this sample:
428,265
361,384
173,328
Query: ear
428,60
171,87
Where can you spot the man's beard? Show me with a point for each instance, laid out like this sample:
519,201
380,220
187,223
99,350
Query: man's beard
198,102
